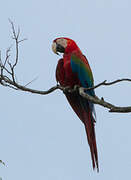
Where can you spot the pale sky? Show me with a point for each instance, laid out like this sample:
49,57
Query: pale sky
40,136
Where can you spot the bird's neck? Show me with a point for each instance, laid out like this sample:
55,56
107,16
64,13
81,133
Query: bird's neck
67,55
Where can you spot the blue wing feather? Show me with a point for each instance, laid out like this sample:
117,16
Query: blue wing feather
84,73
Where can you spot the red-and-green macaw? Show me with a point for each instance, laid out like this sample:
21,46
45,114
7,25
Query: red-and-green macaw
73,69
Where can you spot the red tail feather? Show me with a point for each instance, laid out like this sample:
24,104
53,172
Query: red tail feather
90,131
84,113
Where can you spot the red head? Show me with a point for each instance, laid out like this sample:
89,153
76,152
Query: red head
64,45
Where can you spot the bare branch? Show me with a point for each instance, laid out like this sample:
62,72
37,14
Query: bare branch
7,79
22,40
95,100
2,162
104,83
17,41
15,37
102,102
10,83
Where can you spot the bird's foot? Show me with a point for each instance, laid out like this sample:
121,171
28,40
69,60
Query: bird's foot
76,87
66,89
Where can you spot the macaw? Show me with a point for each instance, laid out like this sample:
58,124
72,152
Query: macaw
73,69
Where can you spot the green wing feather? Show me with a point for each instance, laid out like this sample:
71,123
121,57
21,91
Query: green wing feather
81,66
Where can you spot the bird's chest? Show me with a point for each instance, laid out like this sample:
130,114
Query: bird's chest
71,78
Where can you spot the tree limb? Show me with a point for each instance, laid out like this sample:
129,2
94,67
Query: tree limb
102,102
7,79
112,108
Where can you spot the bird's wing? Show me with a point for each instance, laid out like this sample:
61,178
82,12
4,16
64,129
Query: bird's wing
60,73
80,66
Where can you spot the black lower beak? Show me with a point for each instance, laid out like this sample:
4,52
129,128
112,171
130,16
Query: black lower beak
60,48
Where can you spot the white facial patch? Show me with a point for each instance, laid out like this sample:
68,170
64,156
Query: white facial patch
54,48
62,42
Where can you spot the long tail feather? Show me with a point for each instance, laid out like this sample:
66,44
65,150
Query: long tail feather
90,131
84,112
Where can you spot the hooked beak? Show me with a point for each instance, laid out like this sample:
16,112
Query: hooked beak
54,48
57,48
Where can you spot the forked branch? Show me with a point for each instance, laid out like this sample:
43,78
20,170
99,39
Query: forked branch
7,79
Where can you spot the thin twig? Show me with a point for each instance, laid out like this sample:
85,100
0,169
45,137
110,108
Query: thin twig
15,37
31,81
2,162
25,39
105,83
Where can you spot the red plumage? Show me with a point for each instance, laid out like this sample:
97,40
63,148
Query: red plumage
66,77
